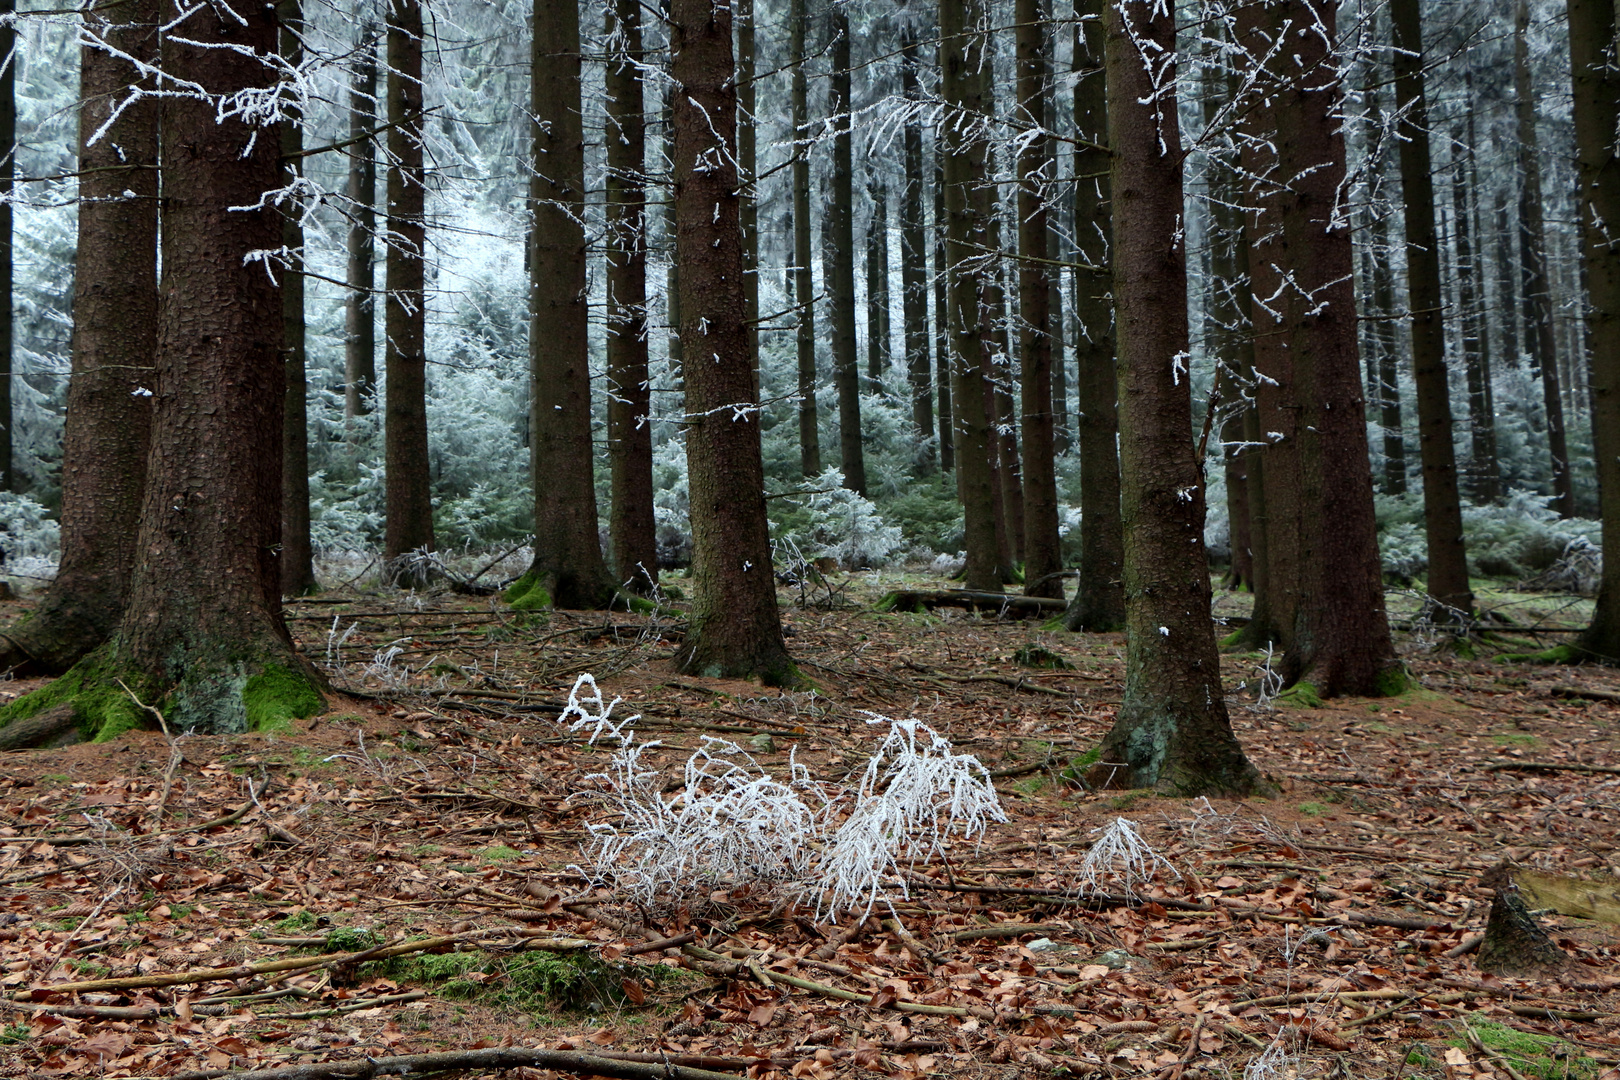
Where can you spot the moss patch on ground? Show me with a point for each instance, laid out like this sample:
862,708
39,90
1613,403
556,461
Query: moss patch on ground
1543,1057
105,709
538,983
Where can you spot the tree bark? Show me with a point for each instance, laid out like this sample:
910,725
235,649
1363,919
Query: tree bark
735,629
297,560
803,254
963,153
115,305
567,554
942,314
631,528
747,149
877,289
839,233
359,326
1042,557
1485,473
1442,511
8,169
1099,594
1172,732
914,259
409,515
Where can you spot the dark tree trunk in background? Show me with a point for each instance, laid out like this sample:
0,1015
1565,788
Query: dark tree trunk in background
877,289
631,527
1001,376
1099,593
1385,361
1042,558
1442,510
840,272
359,325
1537,286
914,259
8,172
1057,314
735,629
409,524
943,350
297,565
115,304
1485,473
1172,732
963,152
803,254
567,554
747,140
1592,43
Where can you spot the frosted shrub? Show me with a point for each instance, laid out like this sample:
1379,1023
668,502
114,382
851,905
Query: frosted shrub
835,522
32,542
1120,855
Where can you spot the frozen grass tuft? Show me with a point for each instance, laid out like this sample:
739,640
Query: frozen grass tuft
1120,856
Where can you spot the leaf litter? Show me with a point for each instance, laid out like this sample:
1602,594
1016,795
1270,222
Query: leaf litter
411,871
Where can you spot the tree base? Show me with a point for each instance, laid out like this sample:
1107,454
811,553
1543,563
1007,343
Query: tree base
1515,944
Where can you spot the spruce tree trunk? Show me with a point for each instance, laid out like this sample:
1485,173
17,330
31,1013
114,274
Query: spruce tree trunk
1001,377
1057,314
1482,466
297,561
963,154
8,171
839,235
734,630
1537,287
359,325
914,260
804,284
631,528
567,554
1592,41
409,524
1442,511
1384,362
747,148
1099,594
1172,732
115,305
1042,558
877,289
203,624
942,314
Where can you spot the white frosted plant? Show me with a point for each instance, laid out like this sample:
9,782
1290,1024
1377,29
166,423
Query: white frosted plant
592,713
1120,855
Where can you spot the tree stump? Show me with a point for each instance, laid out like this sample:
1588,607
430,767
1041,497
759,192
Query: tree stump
1515,944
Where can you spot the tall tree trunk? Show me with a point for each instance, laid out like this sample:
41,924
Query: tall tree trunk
567,554
1042,557
839,232
747,141
8,171
109,396
1099,593
409,524
1507,285
359,307
914,258
631,527
964,151
1485,474
803,254
943,349
1001,377
1386,358
1442,511
1057,315
297,562
877,289
1592,45
735,629
1171,732
1537,294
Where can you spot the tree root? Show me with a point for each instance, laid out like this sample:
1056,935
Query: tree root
55,726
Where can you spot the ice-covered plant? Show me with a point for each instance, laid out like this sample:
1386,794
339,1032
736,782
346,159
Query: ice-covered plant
1120,855
592,713
834,522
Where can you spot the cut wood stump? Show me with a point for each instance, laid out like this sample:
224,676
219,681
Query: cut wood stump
1000,603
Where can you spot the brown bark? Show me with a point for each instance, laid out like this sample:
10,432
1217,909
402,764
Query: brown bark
1442,511
631,528
409,515
735,629
963,153
1001,377
567,554
1099,594
1484,471
1387,395
359,326
297,563
839,237
1172,732
942,316
877,289
803,255
914,260
115,302
204,619
1042,558
747,147
8,167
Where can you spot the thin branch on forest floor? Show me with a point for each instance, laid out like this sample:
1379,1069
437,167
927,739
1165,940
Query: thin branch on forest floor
1549,766
494,1058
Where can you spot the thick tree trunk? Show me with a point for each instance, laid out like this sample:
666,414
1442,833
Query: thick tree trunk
1099,592
631,527
1042,558
115,304
1172,732
877,290
803,254
1442,511
914,261
1485,473
1537,287
1592,41
735,629
409,523
297,562
963,151
568,562
840,241
359,307
747,149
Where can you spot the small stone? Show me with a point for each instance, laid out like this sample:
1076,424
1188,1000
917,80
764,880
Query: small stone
1042,944
1116,959
762,744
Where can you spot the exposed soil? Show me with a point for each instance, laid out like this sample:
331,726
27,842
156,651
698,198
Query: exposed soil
1325,924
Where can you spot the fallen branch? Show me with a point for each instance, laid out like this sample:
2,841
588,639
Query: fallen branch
1583,692
510,1057
910,600
1549,766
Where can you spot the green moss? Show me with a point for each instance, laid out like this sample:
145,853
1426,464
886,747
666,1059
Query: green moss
1301,695
499,853
1033,655
1393,681
276,696
1543,1057
106,711
1232,640
1312,809
350,939
1562,654
1515,740
528,594
294,924
539,983
14,1035
639,604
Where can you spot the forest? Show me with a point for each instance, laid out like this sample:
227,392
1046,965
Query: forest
809,537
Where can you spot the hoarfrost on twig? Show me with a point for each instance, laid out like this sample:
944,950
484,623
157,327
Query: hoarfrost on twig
1120,854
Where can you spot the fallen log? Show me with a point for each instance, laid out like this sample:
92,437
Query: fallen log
1000,603
492,1058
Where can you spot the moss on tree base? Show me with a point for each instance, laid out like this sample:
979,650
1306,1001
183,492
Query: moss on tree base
527,594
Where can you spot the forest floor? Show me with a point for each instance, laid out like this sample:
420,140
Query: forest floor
231,881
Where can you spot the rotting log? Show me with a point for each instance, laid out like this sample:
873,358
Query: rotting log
1000,603
57,726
